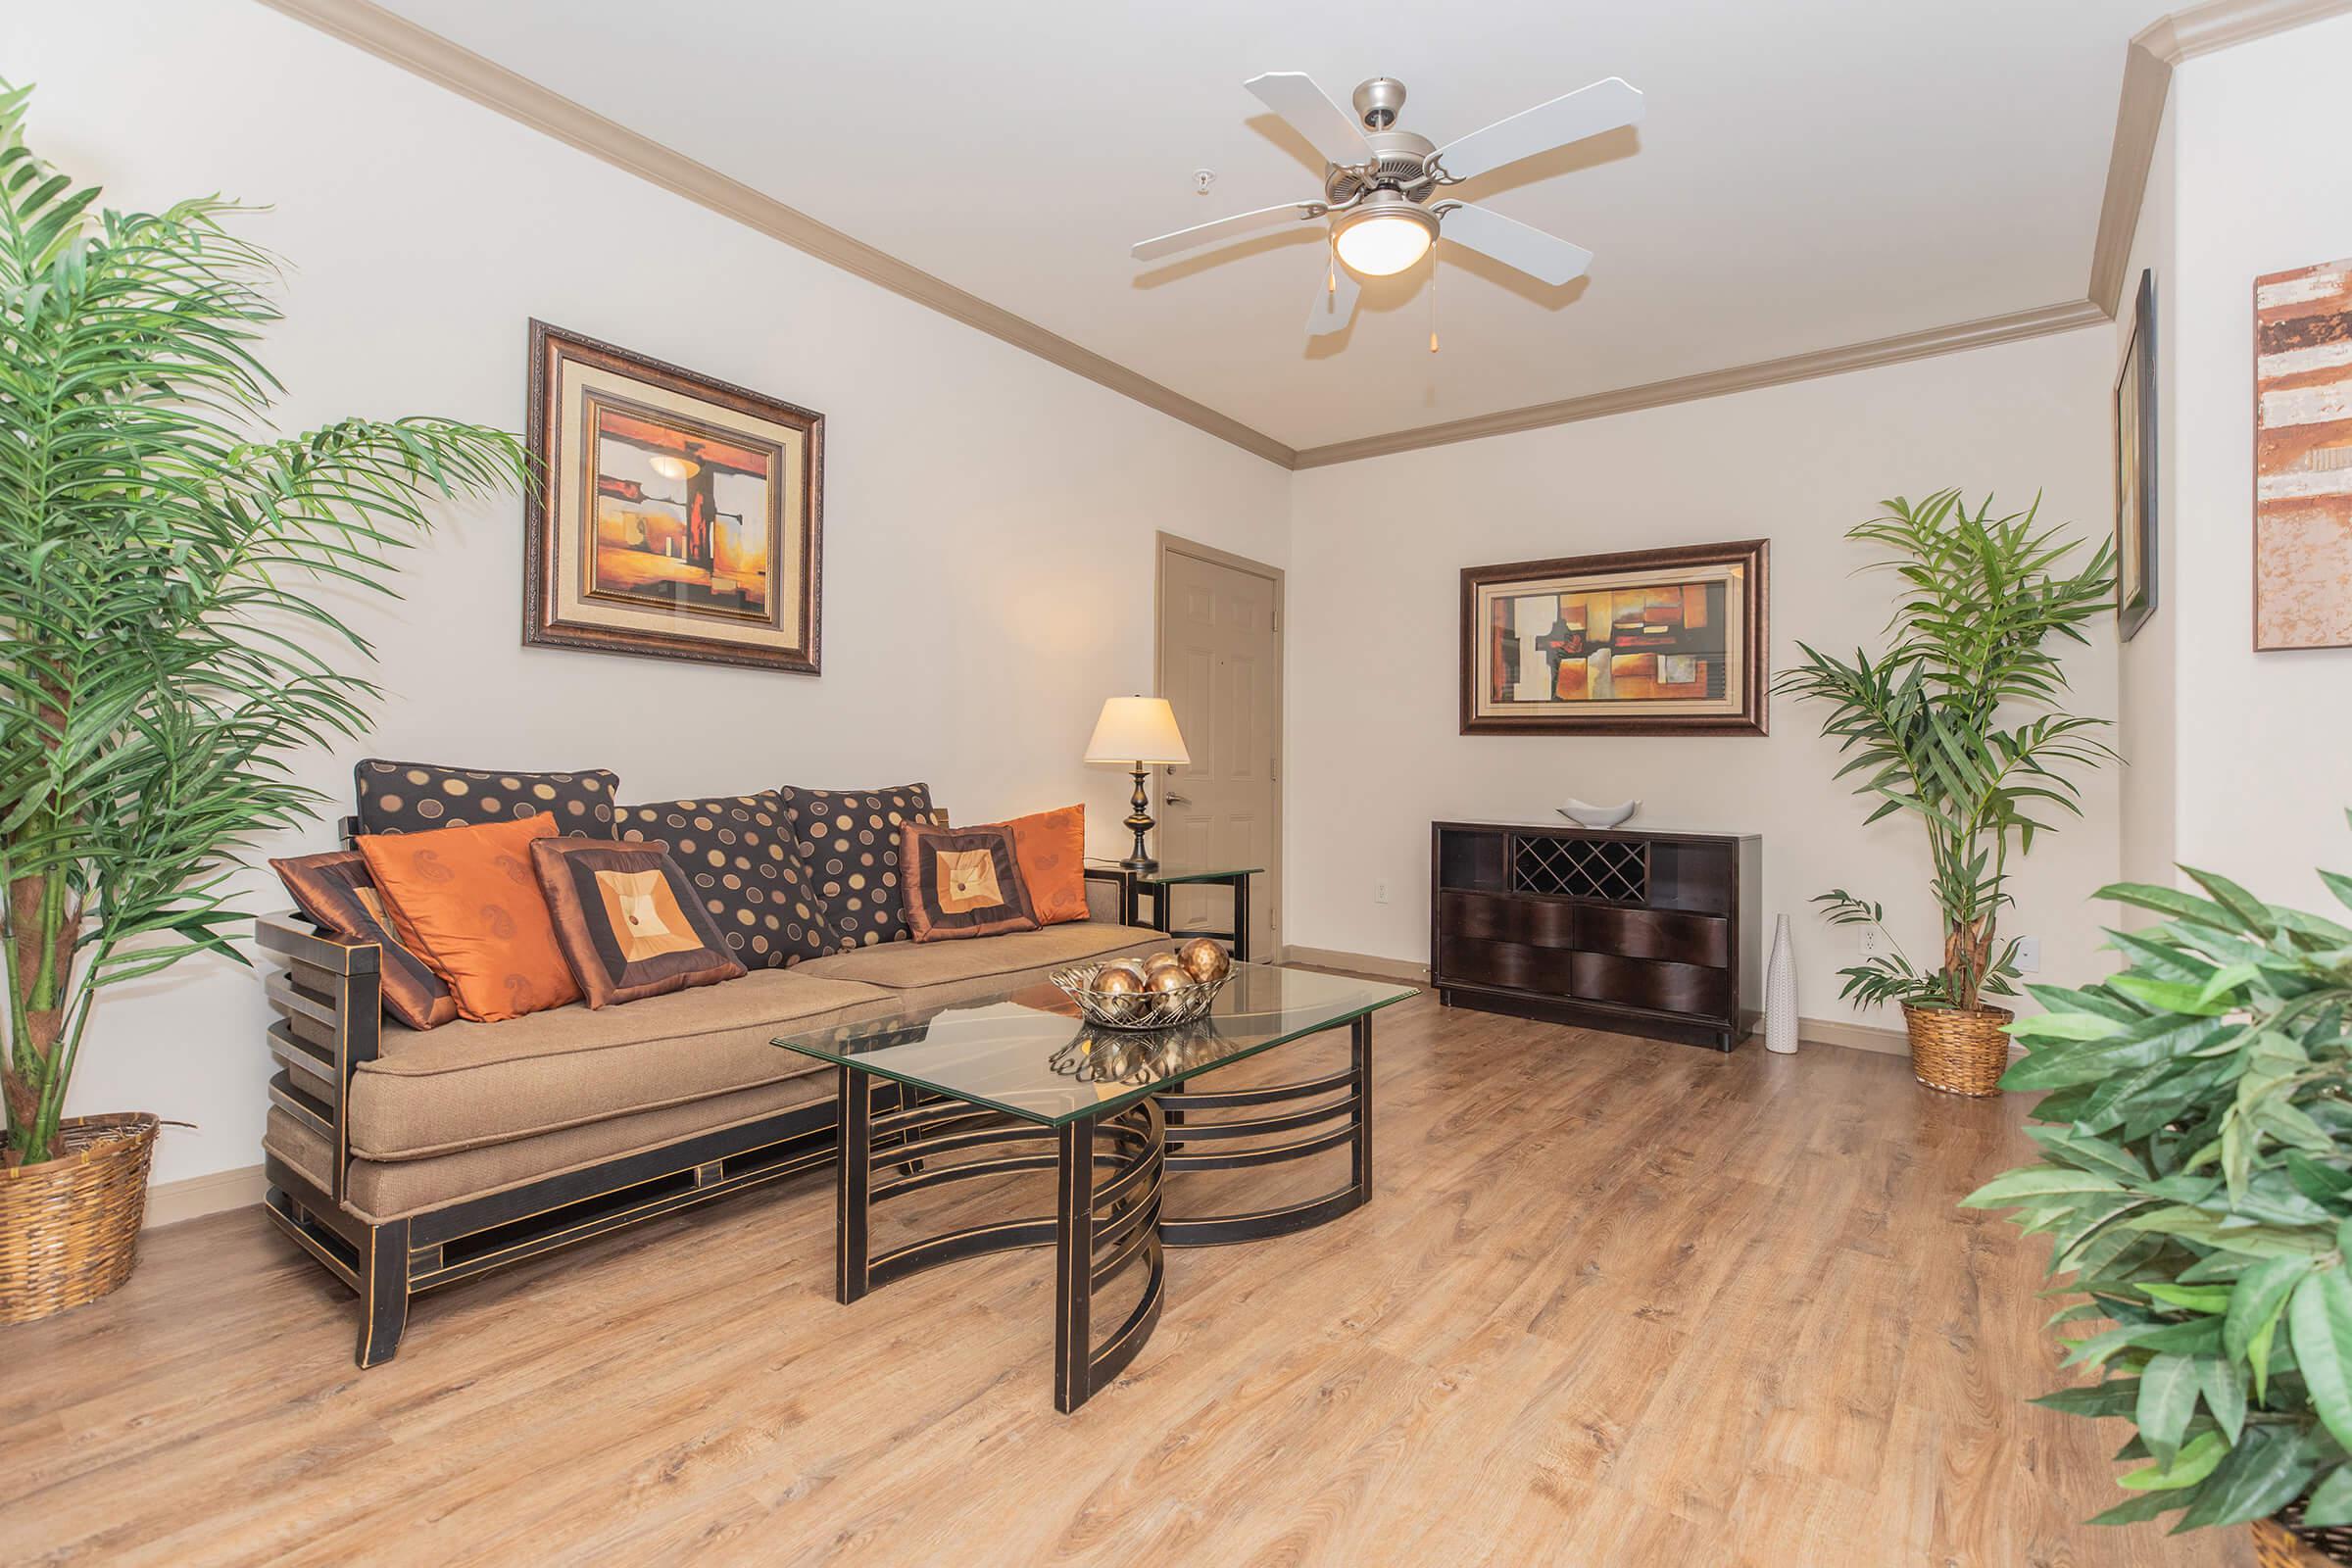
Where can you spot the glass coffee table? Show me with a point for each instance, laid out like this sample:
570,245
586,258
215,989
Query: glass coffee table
1015,1079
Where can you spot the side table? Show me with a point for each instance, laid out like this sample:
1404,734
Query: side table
1134,887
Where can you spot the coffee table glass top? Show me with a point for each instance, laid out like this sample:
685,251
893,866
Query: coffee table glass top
1170,872
1025,1051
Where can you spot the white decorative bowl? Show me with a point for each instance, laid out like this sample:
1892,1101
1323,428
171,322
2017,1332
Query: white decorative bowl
1586,814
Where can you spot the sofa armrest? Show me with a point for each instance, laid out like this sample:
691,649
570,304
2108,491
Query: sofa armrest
328,995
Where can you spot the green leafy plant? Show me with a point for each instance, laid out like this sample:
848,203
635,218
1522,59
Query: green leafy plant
1959,723
2197,1185
160,659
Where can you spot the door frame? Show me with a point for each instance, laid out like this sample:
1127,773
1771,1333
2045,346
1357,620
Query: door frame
1167,544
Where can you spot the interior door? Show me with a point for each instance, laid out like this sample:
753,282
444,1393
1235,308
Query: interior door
1221,668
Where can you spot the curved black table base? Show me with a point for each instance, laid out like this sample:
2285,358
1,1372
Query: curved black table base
1112,1175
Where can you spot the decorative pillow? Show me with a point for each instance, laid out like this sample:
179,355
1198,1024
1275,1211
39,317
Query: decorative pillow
628,920
963,882
418,797
467,901
849,843
1051,847
738,854
335,890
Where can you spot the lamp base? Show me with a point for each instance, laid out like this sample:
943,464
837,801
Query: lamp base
1139,822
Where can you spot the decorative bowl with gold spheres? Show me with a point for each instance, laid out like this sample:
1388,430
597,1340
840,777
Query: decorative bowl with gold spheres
1169,993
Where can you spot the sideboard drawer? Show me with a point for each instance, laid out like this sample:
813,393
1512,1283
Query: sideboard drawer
1704,939
1640,983
1509,917
1513,965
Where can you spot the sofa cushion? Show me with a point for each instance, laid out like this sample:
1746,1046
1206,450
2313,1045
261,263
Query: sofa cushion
908,965
1051,849
465,1085
465,901
739,850
962,882
380,1190
335,891
418,797
848,842
627,920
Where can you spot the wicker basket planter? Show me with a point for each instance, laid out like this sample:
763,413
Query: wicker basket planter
1960,1053
2281,1541
70,1226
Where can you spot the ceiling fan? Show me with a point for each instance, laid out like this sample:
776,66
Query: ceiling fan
1381,186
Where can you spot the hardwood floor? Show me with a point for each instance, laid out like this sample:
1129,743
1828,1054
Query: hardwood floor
1616,1302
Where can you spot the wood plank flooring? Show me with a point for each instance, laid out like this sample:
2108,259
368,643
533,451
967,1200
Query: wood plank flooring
1616,1302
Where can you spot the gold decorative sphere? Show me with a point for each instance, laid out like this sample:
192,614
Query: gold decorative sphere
1204,959
1161,960
1119,980
1168,978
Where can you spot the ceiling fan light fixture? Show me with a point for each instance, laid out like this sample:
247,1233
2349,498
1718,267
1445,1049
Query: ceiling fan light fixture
1384,237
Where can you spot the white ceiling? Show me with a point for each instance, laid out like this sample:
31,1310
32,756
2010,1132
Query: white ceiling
1810,173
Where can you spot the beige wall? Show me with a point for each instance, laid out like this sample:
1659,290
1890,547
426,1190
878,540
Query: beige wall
989,519
1375,753
2147,667
2263,184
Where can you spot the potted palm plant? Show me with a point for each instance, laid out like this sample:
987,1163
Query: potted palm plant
1959,724
2197,1185
159,659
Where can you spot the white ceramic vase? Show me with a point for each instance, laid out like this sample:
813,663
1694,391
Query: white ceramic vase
1780,993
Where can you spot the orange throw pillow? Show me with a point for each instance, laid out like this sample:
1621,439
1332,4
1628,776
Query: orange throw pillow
1051,847
467,901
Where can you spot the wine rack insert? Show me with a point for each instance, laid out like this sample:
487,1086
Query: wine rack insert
1615,870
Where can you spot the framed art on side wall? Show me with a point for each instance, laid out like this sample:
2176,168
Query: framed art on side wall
669,514
2303,458
2135,557
1639,642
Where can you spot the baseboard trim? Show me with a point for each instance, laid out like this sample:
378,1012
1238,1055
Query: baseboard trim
169,1203
1853,1036
1397,969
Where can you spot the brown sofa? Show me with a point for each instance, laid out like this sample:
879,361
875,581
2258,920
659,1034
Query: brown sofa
406,1161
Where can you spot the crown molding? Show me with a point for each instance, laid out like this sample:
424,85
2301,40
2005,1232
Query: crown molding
437,59
1954,339
2147,75
2149,63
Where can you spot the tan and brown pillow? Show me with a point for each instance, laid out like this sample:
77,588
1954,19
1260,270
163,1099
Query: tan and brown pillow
467,901
335,891
962,882
628,920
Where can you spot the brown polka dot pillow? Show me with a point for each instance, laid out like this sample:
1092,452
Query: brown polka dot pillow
417,797
738,854
848,842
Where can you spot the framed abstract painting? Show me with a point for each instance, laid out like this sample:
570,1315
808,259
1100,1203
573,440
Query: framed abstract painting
670,514
2303,458
1639,642
2135,559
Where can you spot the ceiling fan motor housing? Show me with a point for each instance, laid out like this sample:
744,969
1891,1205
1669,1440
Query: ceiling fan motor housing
1402,158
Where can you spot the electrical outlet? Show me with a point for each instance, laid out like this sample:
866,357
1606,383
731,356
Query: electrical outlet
1380,893
2028,955
1874,942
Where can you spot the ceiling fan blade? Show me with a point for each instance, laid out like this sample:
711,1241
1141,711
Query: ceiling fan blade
1329,129
1545,256
1185,239
1587,112
1335,303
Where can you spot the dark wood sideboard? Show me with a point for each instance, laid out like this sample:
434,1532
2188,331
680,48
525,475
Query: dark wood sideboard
1657,934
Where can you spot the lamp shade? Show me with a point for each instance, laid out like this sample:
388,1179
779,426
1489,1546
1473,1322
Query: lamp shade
1137,730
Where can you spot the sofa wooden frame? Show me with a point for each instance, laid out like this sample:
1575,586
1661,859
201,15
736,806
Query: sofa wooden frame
328,997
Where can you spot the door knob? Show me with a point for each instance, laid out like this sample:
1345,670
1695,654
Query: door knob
1176,799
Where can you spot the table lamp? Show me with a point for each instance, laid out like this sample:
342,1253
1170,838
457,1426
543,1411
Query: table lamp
1138,733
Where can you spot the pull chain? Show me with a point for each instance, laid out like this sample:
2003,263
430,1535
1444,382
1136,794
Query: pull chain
1433,299
1331,284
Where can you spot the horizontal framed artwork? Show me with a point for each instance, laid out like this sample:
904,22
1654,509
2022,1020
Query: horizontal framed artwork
670,514
1637,642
